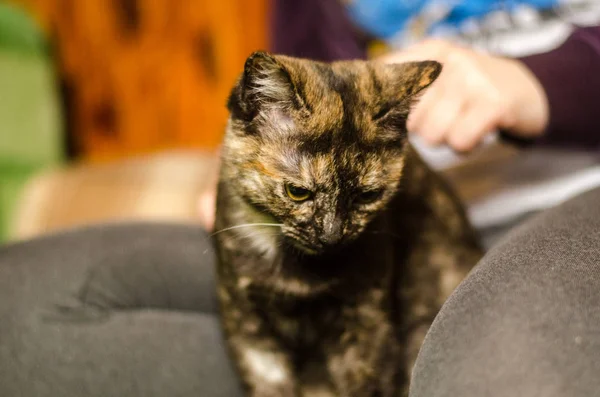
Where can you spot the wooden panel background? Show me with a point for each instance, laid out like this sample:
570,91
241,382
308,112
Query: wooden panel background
147,75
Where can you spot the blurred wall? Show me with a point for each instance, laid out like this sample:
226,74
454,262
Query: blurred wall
145,75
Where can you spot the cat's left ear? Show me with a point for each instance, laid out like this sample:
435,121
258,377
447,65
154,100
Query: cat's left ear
402,84
410,78
265,83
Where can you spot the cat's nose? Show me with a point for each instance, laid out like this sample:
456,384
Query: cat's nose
332,232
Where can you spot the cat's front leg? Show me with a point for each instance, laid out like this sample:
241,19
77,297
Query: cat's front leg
364,361
266,369
264,365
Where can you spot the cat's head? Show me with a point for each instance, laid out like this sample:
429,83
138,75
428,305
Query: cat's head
320,147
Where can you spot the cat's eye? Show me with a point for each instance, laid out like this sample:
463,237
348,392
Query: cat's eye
297,193
368,196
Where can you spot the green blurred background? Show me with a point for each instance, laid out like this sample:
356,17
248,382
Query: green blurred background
30,115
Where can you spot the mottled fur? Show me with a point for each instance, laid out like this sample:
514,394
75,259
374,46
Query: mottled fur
335,300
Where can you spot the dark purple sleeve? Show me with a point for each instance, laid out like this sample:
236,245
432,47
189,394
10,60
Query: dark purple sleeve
570,76
314,29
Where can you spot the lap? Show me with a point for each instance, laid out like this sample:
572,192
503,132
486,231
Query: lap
526,322
112,310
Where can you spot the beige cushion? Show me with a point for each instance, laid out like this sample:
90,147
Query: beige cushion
161,187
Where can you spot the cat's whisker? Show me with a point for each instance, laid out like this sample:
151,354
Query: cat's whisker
246,225
248,234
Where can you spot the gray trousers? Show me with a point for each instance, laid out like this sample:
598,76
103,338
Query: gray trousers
129,310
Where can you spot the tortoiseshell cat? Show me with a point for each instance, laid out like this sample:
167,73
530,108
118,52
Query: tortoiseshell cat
355,242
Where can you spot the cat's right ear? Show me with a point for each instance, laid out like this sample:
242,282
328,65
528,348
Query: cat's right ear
265,83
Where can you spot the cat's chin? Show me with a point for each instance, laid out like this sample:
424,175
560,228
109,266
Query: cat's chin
300,248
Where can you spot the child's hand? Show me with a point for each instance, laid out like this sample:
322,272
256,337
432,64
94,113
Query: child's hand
474,95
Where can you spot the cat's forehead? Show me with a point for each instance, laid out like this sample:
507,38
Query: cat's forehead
339,95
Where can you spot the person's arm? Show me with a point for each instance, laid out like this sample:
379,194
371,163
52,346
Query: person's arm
315,29
570,77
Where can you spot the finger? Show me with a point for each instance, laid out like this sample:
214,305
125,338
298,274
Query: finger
206,209
468,131
440,117
418,113
439,107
